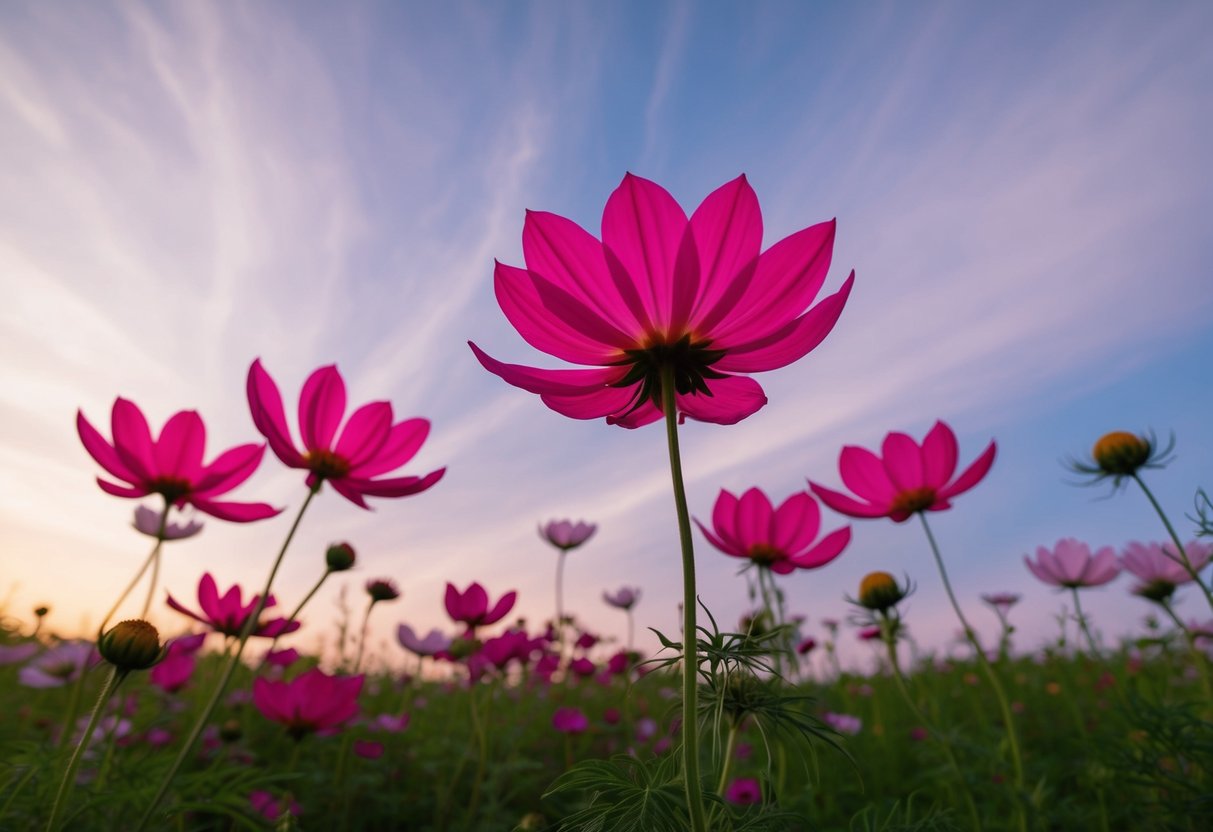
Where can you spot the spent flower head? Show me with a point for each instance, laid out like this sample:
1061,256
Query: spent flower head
382,589
339,557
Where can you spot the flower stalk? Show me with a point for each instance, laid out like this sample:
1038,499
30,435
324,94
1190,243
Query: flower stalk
1183,559
112,681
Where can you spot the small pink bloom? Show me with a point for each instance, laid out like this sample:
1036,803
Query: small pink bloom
782,540
907,478
369,749
1071,564
472,605
919,734
147,521
270,807
226,614
646,729
743,791
570,721
1151,562
586,640
172,465
369,445
58,666
174,671
158,737
1002,601
843,723
312,701
17,653
806,646
565,534
433,643
611,716
869,633
696,296
623,598
619,663
393,723
282,658
582,667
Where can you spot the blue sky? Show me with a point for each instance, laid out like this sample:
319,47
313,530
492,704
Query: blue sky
1023,191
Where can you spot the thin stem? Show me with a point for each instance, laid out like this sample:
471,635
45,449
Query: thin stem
631,630
1183,559
1004,706
290,620
560,603
366,620
730,747
107,690
229,668
1202,664
1082,623
690,641
155,554
151,587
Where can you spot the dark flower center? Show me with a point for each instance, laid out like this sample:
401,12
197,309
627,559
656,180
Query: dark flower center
690,362
764,554
326,464
171,488
914,499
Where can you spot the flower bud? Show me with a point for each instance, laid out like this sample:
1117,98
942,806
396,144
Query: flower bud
1159,591
1121,453
339,557
382,589
41,611
463,647
878,591
131,645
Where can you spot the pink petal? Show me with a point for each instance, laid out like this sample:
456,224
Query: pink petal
556,328
350,492
1041,572
720,543
733,399
172,602
121,490
903,461
843,504
557,382
402,443
593,404
864,473
791,343
830,547
235,512
642,230
645,414
208,596
101,450
180,446
321,407
265,404
797,523
454,603
567,255
475,601
939,455
133,440
501,608
365,433
230,469
754,516
727,229
724,520
397,487
972,475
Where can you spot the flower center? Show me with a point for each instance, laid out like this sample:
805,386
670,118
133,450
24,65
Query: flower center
171,488
326,464
689,360
764,554
1121,452
914,499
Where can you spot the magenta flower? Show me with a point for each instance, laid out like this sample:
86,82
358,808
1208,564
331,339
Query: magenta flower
565,534
623,598
433,643
1071,565
147,521
1159,562
171,465
843,723
175,670
369,444
907,478
472,605
570,721
271,808
312,701
806,646
743,791
226,614
781,540
661,292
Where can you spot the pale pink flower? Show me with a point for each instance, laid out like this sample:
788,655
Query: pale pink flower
147,521
623,598
1070,564
1159,562
565,534
434,641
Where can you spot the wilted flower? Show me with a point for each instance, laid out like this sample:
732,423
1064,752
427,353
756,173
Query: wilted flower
131,645
58,666
570,721
369,445
623,598
782,540
147,521
226,614
660,293
434,641
172,466
565,534
1071,565
744,791
312,701
472,605
382,589
907,478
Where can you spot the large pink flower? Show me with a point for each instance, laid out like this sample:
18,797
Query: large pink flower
312,701
907,478
227,614
369,445
171,465
697,297
782,539
472,605
1070,564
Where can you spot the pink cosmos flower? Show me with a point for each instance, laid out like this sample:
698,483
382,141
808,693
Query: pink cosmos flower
1070,564
369,444
869,634
806,646
1001,601
271,808
175,670
312,701
696,296
368,749
226,614
1159,562
782,540
147,521
907,478
17,653
58,666
433,643
472,605
743,791
843,723
623,598
171,465
281,658
570,721
565,534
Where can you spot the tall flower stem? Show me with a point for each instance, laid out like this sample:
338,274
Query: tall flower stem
366,620
1082,623
107,690
291,619
1183,559
560,602
229,668
1003,704
690,641
1198,657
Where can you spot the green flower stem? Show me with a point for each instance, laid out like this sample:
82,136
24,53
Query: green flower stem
366,620
228,669
293,616
107,690
690,635
1004,706
560,604
1082,623
730,748
73,706
1202,664
482,749
631,631
1183,559
890,641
